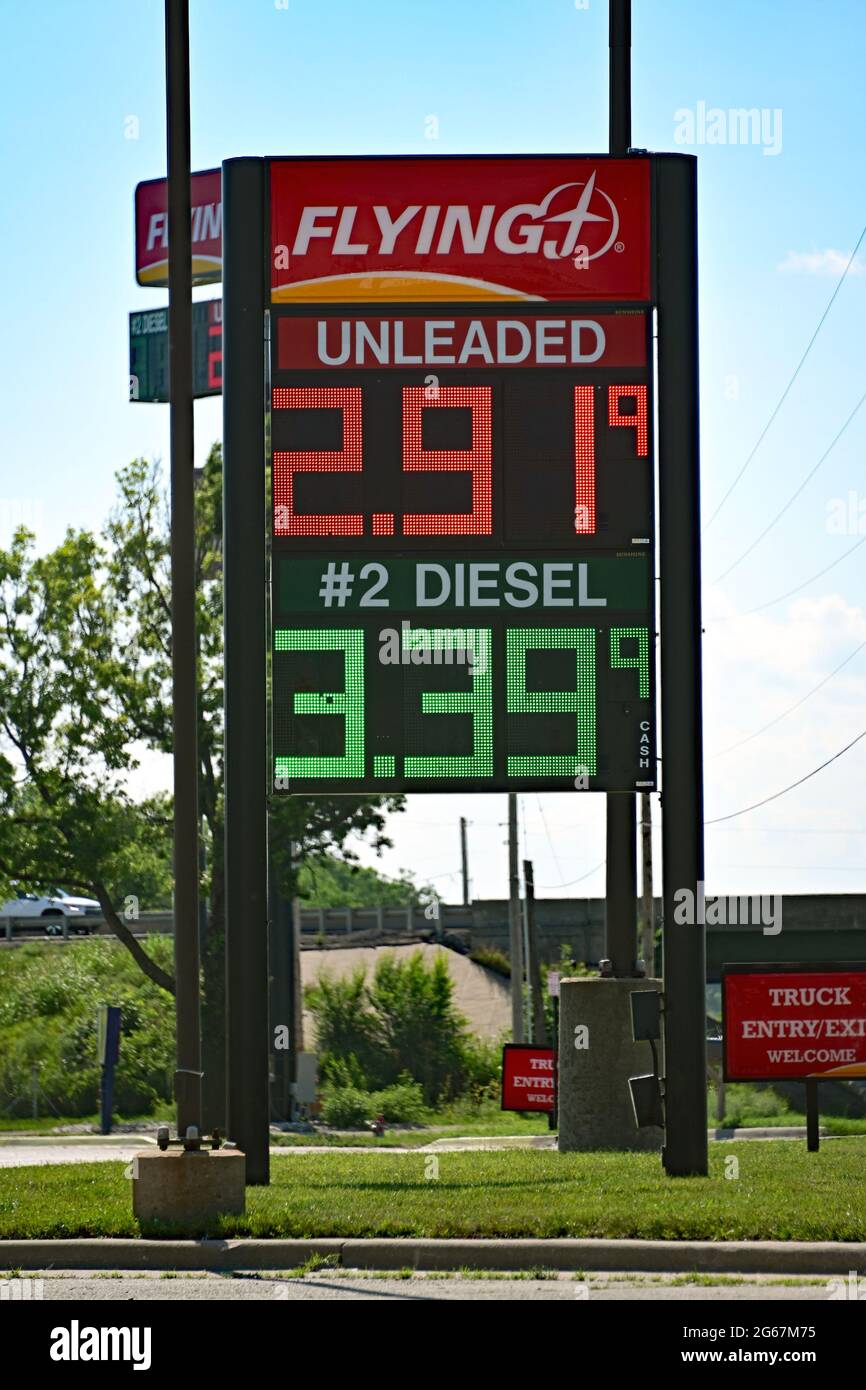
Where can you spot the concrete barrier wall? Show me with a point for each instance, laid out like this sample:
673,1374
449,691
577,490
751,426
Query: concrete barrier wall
815,927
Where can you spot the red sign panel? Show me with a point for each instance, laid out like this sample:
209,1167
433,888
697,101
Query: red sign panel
794,1022
471,228
540,340
528,1077
151,229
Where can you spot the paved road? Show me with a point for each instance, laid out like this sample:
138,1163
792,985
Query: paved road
351,1285
19,1153
25,1157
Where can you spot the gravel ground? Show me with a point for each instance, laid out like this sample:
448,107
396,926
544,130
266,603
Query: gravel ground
352,1285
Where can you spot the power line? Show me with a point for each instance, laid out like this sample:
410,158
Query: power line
784,394
793,497
747,612
785,830
571,881
549,839
786,712
798,783
810,868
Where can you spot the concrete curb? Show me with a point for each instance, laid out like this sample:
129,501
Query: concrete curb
651,1256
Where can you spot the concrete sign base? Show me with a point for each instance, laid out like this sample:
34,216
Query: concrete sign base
596,1058
192,1188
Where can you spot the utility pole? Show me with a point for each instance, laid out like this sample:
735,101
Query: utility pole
536,1012
621,870
648,924
464,857
515,925
187,1077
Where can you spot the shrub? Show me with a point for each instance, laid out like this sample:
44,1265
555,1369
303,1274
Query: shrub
344,1025
48,1000
419,1030
344,1107
744,1103
337,1071
492,959
402,1022
482,1063
401,1104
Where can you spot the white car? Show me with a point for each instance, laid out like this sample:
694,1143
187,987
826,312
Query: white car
56,909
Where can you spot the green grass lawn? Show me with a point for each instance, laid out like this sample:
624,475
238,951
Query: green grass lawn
781,1193
452,1123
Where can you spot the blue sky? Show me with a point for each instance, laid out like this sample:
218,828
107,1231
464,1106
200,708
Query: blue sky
500,75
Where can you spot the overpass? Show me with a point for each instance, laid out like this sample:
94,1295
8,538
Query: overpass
815,927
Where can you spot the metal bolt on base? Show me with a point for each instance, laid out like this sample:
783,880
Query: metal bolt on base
191,1141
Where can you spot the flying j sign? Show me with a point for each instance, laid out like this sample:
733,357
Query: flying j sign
792,1022
509,229
151,229
461,432
467,228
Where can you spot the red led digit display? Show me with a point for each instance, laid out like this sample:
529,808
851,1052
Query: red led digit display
288,462
584,460
514,429
215,358
477,459
636,417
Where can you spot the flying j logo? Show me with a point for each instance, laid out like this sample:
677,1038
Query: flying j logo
466,228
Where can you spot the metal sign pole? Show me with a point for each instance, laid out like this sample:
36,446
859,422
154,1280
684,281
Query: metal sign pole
183,608
685,1150
620,917
246,859
515,925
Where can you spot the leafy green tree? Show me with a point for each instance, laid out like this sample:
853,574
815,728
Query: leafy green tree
85,682
66,815
329,882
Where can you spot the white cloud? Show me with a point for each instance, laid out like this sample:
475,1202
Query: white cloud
827,262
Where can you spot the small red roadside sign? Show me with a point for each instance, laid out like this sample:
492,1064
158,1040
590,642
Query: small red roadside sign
794,1021
528,1077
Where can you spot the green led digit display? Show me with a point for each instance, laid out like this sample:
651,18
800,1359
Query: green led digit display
581,701
474,646
640,661
511,703
348,702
